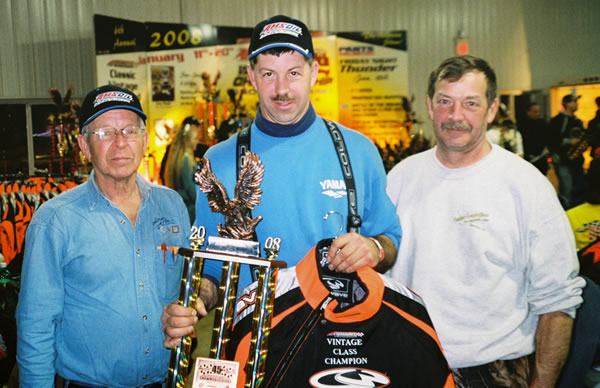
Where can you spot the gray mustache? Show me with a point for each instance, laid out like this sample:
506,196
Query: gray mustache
453,125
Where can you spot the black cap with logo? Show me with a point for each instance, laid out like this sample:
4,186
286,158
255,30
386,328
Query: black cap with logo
105,98
281,31
570,98
191,120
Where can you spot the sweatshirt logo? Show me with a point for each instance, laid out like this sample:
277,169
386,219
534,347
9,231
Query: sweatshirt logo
335,188
474,220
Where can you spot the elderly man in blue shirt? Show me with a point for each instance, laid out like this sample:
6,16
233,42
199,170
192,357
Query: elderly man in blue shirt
94,283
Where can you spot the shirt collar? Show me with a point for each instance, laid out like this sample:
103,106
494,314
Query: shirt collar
96,196
283,130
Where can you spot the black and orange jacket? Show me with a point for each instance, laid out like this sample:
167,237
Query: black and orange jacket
18,201
374,331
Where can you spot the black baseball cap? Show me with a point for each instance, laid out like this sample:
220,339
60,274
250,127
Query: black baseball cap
281,31
108,97
191,120
570,98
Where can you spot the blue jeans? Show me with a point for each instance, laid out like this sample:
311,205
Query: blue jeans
585,341
571,184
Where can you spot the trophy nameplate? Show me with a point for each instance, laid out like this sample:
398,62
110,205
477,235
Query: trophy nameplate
215,373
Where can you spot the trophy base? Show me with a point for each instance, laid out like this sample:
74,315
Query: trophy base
236,247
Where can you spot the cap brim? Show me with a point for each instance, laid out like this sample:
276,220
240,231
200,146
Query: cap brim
302,51
128,107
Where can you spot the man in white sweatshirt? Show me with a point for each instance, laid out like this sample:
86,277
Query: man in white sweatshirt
486,242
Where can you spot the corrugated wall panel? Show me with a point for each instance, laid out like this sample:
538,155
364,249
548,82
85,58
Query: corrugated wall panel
531,43
9,58
51,43
563,40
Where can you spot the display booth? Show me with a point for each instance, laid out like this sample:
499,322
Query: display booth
179,70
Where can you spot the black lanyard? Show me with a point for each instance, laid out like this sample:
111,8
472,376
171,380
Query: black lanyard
354,220
243,146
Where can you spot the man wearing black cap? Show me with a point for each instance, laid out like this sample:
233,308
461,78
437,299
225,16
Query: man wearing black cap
565,133
303,179
93,281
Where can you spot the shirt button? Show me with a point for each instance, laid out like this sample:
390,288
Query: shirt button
147,350
122,222
145,317
141,284
138,251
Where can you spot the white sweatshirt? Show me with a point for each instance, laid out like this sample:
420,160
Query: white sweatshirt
489,249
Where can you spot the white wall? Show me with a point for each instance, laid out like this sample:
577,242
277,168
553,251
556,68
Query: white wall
532,44
563,39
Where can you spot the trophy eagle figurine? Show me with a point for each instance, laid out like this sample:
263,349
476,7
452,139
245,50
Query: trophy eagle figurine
238,222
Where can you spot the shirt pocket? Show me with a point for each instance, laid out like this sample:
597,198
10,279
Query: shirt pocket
169,266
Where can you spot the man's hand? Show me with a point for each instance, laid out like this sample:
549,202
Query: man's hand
178,321
352,251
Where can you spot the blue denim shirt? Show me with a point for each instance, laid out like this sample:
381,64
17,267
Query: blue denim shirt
93,288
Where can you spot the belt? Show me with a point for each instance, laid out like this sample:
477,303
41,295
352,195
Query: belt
75,384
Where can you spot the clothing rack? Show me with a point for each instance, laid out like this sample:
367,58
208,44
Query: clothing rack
20,196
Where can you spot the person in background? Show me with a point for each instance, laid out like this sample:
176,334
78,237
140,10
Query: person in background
229,127
565,133
502,131
303,180
181,163
163,164
594,132
534,130
93,281
485,241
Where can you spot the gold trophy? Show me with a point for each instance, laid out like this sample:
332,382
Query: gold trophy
234,246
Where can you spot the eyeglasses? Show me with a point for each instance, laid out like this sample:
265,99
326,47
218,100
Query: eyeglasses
130,132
